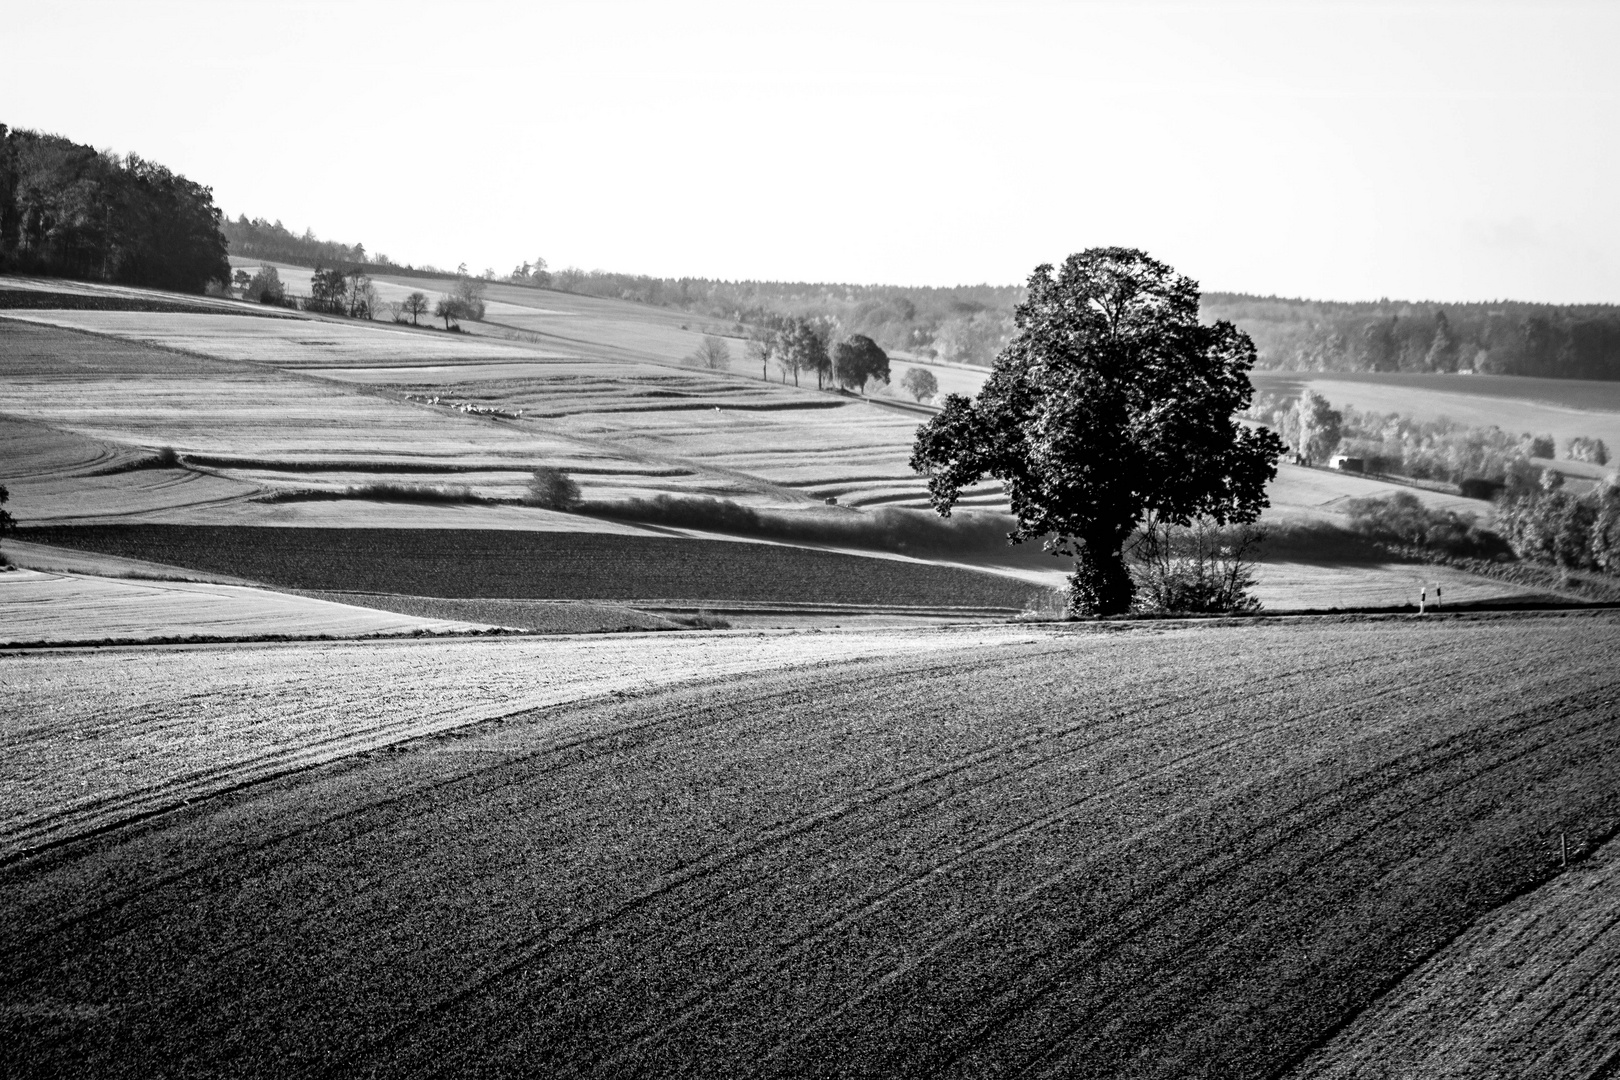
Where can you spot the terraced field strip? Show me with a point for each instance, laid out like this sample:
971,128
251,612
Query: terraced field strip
1181,852
280,342
88,740
1531,991
511,564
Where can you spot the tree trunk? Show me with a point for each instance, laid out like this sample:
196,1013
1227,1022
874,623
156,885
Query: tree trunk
1100,584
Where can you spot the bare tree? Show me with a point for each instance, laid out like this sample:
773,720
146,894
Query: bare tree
760,347
414,305
713,353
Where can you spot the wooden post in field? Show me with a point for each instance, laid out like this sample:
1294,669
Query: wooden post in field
1423,599
1563,850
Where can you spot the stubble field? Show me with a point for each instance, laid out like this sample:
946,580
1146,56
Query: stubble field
1181,852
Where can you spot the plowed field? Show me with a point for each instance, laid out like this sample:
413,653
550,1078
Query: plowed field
1532,992
472,563
1180,853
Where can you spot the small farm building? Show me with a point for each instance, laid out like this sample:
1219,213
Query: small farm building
1348,464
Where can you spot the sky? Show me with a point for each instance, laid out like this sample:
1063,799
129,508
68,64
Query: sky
1347,151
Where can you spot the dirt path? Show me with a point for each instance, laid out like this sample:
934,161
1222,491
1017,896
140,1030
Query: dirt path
1179,852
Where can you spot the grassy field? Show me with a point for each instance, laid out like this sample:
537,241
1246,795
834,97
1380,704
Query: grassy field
543,566
1177,852
49,608
1530,991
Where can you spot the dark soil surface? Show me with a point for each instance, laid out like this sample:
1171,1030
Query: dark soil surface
1188,852
471,563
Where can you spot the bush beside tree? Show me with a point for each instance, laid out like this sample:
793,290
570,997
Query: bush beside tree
552,489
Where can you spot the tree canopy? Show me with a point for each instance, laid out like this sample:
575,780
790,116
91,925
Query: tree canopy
1111,403
73,211
858,359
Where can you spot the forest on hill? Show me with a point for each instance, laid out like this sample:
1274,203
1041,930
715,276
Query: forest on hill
70,210
1498,338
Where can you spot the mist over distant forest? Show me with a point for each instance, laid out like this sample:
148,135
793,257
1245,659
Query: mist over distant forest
70,210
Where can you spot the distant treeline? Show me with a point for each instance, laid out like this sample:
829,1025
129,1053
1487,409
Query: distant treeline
970,323
1500,338
274,242
70,210
962,324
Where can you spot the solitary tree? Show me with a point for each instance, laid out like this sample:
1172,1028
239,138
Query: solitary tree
552,489
415,305
1110,403
265,287
362,295
858,359
761,347
7,522
450,309
470,293
713,353
920,383
1312,427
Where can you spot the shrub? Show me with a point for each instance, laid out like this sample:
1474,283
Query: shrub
1581,448
265,287
166,458
1541,446
712,353
1403,520
552,489
1476,488
1550,526
1199,568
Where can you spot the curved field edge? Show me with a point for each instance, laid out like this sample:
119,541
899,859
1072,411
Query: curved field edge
91,740
1184,851
40,608
1531,990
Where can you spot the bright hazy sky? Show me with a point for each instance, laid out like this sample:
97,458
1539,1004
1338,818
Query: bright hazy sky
1334,150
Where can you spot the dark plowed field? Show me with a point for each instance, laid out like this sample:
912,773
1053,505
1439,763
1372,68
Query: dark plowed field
1184,853
488,563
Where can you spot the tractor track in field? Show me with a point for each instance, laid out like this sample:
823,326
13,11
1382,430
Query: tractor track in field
1180,889
777,837
1045,857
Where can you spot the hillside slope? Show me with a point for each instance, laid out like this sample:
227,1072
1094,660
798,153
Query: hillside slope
1180,852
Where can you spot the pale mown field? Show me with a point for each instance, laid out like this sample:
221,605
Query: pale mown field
94,738
55,608
1176,851
278,342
